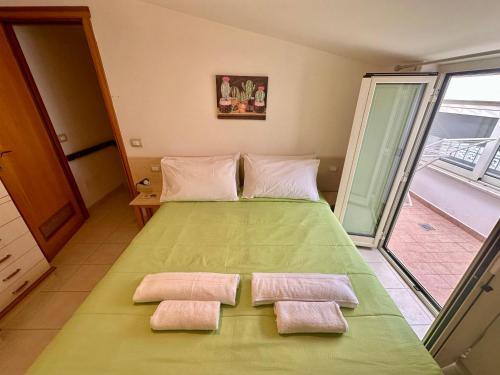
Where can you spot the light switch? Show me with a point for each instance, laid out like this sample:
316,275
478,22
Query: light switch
62,137
332,168
136,142
155,168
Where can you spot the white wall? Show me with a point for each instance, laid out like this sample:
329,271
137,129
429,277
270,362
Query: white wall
479,210
161,68
162,76
60,62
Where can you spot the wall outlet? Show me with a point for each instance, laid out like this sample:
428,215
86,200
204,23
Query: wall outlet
155,168
62,137
135,142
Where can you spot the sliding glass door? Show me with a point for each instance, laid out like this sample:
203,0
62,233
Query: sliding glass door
388,116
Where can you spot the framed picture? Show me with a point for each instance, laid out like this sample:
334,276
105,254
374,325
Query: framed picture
241,97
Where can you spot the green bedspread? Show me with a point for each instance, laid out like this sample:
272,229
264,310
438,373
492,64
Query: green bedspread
110,335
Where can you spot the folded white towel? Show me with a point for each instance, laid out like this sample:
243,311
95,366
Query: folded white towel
300,317
186,315
194,286
271,287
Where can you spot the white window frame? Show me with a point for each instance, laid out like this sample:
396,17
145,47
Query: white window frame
363,107
478,173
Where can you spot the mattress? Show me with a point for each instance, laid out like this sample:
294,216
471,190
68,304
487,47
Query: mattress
109,334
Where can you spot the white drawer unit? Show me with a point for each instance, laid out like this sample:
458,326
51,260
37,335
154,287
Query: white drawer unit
22,262
15,249
17,269
22,283
12,230
3,190
8,212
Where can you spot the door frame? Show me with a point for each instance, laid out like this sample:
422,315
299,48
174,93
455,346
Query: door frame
441,86
360,122
78,15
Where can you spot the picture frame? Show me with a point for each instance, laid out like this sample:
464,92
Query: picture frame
241,97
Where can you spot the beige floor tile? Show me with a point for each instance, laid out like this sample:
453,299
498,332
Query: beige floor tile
411,309
123,235
19,348
47,310
93,234
58,278
371,255
30,326
387,275
106,253
74,253
420,329
85,278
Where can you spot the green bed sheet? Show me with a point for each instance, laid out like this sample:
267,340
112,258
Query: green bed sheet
108,334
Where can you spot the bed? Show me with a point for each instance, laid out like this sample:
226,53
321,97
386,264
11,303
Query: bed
108,334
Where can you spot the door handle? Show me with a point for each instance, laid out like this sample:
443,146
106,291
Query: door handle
4,152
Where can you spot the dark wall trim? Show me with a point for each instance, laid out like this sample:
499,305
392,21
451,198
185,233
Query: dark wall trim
90,150
401,74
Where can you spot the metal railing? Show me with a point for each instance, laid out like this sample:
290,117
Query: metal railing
494,167
465,151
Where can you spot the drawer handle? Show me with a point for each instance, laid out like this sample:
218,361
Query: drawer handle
12,275
23,285
5,258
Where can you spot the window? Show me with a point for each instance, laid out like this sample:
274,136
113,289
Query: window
465,135
494,167
492,174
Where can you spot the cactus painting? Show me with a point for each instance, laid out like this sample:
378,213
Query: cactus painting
242,97
225,88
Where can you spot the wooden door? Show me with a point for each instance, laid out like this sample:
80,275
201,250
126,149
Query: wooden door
30,164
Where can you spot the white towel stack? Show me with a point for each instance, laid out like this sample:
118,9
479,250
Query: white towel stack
305,302
192,286
186,315
302,317
268,288
191,300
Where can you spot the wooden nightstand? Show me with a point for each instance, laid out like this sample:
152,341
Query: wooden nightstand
330,197
145,206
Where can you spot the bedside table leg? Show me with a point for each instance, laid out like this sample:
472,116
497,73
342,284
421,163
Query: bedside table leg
139,216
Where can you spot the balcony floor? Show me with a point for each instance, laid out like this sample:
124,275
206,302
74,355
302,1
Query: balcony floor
437,257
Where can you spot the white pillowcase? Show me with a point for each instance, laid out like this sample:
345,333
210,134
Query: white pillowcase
249,171
285,178
199,178
278,157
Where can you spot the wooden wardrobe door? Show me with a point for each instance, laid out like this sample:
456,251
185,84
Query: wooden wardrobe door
30,167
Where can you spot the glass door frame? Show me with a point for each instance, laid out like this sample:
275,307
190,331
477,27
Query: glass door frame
440,91
365,100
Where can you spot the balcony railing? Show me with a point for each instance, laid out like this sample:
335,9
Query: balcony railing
462,151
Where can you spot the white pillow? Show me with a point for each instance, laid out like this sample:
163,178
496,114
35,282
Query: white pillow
199,178
249,173
278,157
295,179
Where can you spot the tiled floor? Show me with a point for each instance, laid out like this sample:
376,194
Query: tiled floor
30,326
437,257
415,312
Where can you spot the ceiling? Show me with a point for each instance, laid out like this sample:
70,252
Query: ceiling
375,31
